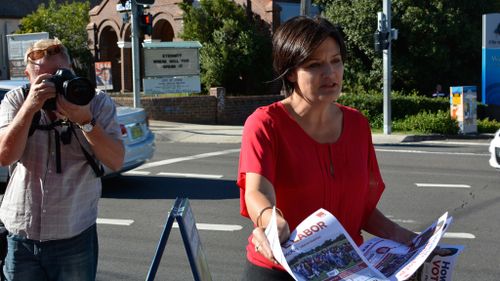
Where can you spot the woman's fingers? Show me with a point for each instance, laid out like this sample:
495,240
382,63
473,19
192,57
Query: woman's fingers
262,245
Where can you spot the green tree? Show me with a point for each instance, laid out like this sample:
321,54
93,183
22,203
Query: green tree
439,42
236,52
67,22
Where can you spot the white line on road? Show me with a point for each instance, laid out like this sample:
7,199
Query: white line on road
136,173
188,175
432,152
458,143
403,221
459,235
216,227
115,221
442,185
187,158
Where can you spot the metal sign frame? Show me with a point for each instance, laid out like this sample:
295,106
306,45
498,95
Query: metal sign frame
181,211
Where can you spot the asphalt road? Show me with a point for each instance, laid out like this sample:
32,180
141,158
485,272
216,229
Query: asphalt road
423,180
469,191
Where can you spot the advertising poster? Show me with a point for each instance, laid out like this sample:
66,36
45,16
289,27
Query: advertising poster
103,75
463,108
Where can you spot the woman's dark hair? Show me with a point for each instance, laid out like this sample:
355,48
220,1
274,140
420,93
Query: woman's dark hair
295,41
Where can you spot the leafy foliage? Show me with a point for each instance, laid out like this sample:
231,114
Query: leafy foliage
439,41
67,22
428,123
236,52
487,126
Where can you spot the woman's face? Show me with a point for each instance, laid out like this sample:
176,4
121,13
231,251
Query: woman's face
320,77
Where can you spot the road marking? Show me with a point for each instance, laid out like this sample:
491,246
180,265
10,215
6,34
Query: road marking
216,227
432,152
188,175
457,143
404,221
187,158
442,185
136,173
115,221
459,235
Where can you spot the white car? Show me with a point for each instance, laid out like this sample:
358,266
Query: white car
495,151
136,135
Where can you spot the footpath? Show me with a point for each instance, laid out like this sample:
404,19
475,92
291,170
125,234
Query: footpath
166,131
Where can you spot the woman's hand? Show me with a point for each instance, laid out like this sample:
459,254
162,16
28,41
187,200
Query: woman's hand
262,245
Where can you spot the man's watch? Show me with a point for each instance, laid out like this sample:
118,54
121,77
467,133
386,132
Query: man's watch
87,128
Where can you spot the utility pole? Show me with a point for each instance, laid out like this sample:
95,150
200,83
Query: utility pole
383,37
136,76
386,9
305,7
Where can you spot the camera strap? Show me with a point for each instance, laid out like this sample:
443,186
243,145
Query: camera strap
98,169
65,136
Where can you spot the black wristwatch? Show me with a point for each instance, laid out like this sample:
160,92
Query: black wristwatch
87,128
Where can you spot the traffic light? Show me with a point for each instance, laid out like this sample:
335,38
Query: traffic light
146,24
381,40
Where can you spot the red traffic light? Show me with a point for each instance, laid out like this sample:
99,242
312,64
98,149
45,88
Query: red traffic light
147,19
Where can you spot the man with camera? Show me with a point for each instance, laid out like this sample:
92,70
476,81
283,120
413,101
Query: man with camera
55,131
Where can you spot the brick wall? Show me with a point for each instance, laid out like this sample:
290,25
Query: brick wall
213,109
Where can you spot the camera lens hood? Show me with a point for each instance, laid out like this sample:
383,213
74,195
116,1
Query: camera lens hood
79,90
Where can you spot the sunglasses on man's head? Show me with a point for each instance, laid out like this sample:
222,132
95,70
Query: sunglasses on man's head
50,51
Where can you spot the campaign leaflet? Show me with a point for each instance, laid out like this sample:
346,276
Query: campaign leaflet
438,267
320,249
398,261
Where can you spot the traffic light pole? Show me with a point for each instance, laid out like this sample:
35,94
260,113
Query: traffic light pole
305,7
387,69
136,76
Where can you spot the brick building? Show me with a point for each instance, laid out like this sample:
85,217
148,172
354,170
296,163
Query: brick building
11,14
109,32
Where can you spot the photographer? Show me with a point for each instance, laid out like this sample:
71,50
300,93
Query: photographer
50,204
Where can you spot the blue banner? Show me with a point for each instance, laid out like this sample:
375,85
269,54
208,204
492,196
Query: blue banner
490,89
491,76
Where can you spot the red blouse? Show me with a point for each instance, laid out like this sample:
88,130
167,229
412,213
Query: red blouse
341,177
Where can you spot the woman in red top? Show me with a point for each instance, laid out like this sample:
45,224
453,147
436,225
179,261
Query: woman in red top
308,152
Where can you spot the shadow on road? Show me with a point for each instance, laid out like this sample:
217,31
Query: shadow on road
139,187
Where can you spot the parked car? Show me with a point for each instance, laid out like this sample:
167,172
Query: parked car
136,135
495,151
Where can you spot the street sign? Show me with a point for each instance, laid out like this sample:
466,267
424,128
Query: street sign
124,8
172,84
171,61
182,213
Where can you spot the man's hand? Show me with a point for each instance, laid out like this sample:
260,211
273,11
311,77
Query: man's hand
79,114
40,91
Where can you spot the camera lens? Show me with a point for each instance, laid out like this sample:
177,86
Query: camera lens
79,91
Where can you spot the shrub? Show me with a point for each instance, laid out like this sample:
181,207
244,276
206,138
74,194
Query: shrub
402,105
487,126
428,123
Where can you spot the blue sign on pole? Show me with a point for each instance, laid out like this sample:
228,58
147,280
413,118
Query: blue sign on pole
491,59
